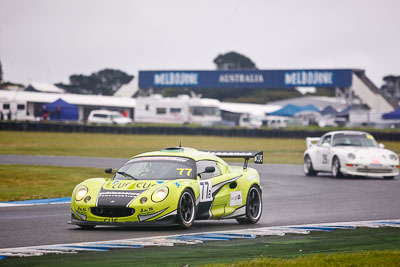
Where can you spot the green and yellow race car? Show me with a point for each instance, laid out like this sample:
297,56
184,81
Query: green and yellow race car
176,185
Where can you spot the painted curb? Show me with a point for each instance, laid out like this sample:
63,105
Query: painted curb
190,239
61,200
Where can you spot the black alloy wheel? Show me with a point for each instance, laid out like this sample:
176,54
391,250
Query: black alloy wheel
253,206
186,209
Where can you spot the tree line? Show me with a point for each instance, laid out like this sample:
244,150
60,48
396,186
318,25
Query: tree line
108,81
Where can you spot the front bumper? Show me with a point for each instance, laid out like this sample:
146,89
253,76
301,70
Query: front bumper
167,220
370,170
88,214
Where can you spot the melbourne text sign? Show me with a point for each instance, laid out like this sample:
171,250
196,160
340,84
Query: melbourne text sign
245,79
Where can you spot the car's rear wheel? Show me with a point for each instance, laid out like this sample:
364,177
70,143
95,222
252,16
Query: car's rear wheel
186,209
87,227
336,168
308,167
253,206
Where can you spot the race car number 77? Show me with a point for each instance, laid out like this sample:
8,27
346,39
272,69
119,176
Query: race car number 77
205,191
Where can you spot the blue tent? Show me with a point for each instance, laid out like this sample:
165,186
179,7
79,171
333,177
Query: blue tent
345,112
61,110
290,110
328,110
392,115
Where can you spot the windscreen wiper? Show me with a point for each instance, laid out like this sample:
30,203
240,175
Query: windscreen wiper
127,175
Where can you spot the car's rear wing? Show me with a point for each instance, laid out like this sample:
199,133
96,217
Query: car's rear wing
310,141
246,155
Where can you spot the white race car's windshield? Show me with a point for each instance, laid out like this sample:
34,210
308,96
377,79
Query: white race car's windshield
361,140
157,168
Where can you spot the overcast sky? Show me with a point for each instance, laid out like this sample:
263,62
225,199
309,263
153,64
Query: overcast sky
48,40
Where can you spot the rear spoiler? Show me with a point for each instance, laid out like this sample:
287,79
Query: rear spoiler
312,141
246,155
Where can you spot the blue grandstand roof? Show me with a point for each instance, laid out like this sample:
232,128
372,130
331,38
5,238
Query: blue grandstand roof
290,110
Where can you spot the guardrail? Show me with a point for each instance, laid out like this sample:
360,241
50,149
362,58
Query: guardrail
173,130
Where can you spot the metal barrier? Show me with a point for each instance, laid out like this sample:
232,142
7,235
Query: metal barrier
174,130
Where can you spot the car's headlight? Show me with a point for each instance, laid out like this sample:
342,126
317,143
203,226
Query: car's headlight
351,156
393,157
160,194
81,192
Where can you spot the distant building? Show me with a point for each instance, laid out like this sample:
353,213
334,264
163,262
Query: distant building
391,89
44,88
12,86
28,105
128,90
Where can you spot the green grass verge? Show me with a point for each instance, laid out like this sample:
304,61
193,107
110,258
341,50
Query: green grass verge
361,247
276,150
21,182
372,258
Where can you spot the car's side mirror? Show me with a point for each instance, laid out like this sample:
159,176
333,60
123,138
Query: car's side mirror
381,145
209,169
108,170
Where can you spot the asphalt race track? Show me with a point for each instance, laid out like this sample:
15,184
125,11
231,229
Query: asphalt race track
288,196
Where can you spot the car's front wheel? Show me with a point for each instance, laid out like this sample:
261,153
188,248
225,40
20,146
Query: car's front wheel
336,168
308,167
253,206
186,209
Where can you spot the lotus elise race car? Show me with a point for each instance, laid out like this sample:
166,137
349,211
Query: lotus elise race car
349,153
176,185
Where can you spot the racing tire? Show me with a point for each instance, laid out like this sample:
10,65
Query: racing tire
186,209
87,227
336,168
308,168
253,206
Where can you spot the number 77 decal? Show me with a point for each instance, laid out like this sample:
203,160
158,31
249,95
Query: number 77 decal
181,170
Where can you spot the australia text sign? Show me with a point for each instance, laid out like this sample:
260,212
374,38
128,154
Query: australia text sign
245,79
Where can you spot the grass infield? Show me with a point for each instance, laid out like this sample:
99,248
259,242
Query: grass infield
361,247
276,150
21,182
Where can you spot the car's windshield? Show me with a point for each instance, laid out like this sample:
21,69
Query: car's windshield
116,116
157,168
362,140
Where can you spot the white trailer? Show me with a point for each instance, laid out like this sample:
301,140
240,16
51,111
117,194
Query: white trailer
14,109
181,109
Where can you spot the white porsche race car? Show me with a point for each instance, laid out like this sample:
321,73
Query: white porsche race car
349,153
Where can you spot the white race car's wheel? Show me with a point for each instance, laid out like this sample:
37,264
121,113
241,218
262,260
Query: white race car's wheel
186,209
336,168
308,167
253,206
